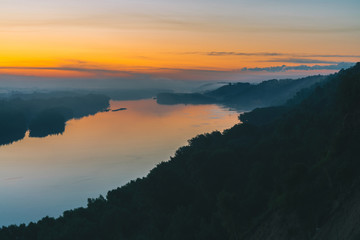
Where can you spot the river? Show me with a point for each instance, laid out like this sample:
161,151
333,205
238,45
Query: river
45,176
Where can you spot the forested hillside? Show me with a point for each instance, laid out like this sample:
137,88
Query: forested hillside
245,96
295,176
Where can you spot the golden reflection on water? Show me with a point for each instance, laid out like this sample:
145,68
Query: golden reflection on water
45,176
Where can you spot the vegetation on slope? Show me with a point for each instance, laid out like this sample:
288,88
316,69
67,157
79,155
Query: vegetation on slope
245,96
299,167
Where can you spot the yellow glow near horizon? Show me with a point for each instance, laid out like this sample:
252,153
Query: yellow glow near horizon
122,37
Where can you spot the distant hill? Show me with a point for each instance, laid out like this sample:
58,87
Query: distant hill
245,96
44,114
294,177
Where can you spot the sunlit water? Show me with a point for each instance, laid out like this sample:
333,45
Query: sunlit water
45,176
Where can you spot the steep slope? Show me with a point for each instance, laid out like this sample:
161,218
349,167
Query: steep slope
333,209
293,178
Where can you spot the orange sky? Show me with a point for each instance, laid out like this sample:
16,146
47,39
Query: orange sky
203,40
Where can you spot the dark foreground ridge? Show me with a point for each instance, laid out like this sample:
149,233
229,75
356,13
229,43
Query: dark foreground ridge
44,115
245,96
295,177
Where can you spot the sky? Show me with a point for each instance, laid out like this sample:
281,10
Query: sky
191,40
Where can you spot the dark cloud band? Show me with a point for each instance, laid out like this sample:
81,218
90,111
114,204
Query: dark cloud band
274,54
285,68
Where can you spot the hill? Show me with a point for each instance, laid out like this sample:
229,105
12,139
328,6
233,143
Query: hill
295,177
244,96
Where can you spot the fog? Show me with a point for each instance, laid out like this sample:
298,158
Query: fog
116,88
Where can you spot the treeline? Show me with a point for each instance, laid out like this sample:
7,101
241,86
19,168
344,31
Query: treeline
285,179
245,96
44,115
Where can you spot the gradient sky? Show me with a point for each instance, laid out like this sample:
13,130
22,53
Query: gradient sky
186,40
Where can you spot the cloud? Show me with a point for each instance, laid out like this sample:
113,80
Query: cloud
13,179
97,70
242,54
70,68
284,68
270,54
300,60
330,55
310,29
108,20
103,76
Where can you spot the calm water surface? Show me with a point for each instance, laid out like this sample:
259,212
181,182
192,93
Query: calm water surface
45,176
